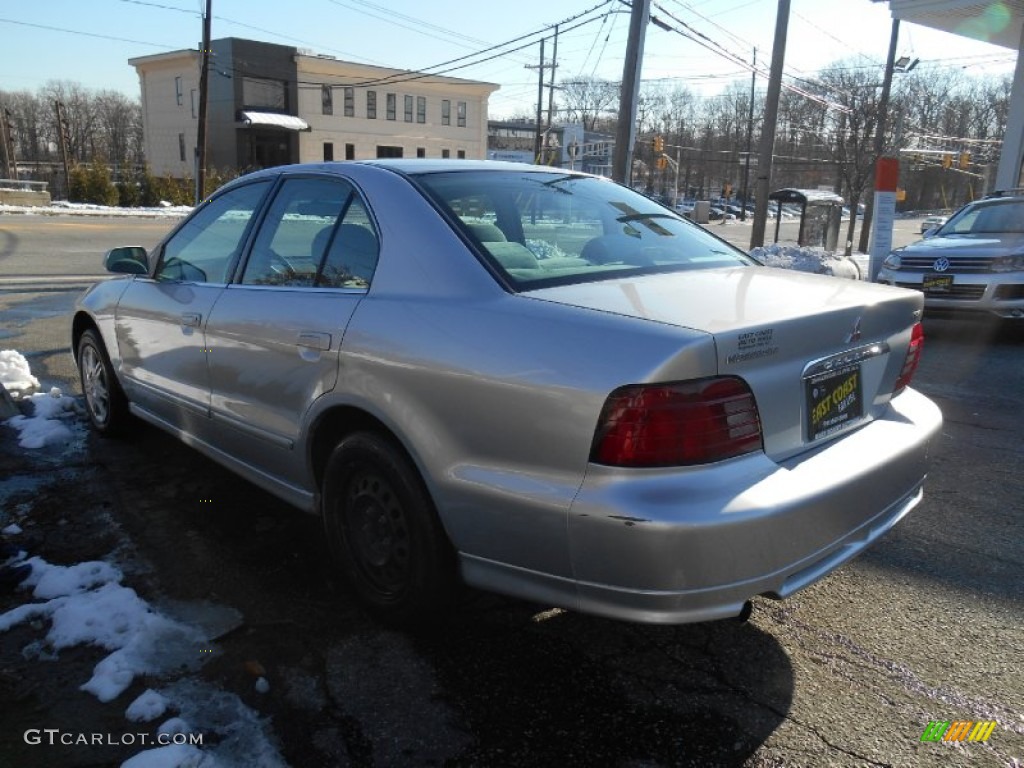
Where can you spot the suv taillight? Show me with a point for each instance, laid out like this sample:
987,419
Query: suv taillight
679,424
912,359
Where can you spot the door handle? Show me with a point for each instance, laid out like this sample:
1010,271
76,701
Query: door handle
314,340
191,319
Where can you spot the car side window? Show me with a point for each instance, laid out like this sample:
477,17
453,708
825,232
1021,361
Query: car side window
205,248
296,231
352,252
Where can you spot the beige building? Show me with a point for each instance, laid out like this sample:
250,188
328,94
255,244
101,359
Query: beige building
271,104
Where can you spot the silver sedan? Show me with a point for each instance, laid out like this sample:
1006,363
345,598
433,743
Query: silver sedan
532,381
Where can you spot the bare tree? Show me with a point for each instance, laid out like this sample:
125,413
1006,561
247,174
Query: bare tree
587,100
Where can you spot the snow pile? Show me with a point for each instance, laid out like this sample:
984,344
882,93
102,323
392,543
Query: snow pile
63,207
48,424
87,605
814,260
14,371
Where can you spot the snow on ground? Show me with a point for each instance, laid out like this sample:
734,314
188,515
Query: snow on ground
63,207
14,371
54,420
87,604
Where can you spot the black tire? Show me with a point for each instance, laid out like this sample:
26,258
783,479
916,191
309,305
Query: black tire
384,532
105,401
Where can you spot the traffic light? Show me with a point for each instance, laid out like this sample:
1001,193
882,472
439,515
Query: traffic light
965,161
659,144
947,161
662,163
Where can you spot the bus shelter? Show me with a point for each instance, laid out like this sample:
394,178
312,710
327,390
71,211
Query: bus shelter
821,215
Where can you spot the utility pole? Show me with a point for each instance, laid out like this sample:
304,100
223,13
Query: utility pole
551,83
204,78
883,108
3,141
750,138
625,134
63,139
9,137
771,114
538,137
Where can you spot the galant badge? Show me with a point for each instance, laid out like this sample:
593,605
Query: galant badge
941,264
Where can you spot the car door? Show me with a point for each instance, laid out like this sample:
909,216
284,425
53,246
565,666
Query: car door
160,318
274,335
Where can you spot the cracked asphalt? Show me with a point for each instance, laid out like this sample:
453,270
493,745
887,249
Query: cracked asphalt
928,625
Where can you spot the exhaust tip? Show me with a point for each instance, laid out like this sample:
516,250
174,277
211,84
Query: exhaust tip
744,615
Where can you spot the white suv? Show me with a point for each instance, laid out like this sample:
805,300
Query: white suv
973,262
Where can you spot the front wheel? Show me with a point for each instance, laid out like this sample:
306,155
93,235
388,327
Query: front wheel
104,400
384,531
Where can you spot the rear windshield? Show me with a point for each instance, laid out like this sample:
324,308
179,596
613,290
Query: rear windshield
542,229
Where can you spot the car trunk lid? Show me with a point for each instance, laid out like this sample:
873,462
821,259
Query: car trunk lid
821,354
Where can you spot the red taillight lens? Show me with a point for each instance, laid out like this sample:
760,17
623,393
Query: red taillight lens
668,425
913,358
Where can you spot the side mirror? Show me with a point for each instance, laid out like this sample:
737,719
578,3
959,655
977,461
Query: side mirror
127,260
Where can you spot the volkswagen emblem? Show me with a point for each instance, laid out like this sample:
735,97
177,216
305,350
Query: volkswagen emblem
941,264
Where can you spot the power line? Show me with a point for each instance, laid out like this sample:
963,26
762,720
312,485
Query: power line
80,32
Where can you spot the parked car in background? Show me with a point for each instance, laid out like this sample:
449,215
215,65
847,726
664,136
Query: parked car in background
974,262
535,381
932,222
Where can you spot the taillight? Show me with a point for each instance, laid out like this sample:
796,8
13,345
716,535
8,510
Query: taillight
912,359
684,423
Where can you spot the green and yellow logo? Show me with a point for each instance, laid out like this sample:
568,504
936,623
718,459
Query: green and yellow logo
958,730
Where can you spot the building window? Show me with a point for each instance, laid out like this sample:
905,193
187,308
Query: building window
461,154
350,151
421,152
446,112
327,99
328,151
177,90
195,101
421,109
389,151
462,114
181,146
262,92
371,105
391,106
350,102
446,153
408,109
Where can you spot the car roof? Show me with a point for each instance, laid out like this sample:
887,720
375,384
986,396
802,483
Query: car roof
416,166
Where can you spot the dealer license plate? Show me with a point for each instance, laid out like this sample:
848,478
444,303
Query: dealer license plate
937,283
834,399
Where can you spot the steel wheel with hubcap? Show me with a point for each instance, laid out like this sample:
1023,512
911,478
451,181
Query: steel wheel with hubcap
383,530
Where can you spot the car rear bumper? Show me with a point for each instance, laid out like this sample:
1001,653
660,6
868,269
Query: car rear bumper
665,547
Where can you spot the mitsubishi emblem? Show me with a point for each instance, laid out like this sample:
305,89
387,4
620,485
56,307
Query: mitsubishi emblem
855,333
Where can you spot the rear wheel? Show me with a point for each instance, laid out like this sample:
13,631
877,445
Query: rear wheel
105,402
384,531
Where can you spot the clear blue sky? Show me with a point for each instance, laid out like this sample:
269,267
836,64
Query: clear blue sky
90,41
